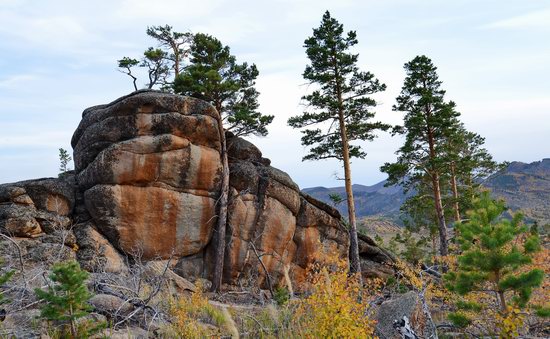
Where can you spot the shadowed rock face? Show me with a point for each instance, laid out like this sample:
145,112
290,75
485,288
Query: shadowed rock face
149,168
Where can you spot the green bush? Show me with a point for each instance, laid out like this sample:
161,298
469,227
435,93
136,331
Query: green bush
281,295
66,301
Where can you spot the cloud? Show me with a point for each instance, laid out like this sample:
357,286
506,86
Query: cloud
536,19
15,81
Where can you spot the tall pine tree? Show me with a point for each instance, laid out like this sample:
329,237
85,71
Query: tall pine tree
215,76
427,122
341,105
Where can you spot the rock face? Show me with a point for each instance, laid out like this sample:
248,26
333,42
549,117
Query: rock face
147,177
269,218
149,168
34,207
392,312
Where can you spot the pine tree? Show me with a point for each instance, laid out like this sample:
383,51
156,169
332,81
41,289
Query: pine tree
64,159
215,76
66,301
126,64
175,46
428,121
494,250
341,104
154,60
469,164
162,62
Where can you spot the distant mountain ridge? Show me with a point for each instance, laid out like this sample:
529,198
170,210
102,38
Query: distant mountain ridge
523,186
375,200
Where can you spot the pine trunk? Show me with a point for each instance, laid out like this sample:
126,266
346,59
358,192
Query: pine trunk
455,193
222,214
443,248
355,263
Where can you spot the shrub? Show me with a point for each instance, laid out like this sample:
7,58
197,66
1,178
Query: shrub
493,267
335,308
281,295
66,301
189,316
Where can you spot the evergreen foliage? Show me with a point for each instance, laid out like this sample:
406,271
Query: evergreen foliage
66,301
341,105
414,249
342,87
155,61
468,165
64,159
174,47
5,276
494,251
215,76
164,61
428,121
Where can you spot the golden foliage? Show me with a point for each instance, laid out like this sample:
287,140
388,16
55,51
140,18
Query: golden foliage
336,307
190,317
510,322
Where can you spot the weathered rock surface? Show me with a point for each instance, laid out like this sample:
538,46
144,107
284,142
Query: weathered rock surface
391,313
33,207
376,262
269,218
146,180
95,253
149,167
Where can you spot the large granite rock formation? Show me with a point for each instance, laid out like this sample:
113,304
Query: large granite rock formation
147,178
149,167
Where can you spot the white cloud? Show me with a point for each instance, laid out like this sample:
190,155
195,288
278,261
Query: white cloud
15,81
536,19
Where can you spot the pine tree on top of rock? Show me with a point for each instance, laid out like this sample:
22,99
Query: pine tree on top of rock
215,76
162,62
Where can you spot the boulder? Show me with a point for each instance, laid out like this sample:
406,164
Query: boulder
401,310
376,262
146,181
156,269
149,167
110,305
29,208
270,220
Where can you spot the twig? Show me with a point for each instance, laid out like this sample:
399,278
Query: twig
20,257
263,329
268,277
426,308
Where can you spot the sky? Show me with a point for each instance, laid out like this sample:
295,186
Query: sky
59,57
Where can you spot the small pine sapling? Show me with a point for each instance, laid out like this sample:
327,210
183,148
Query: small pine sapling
495,252
66,301
64,159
